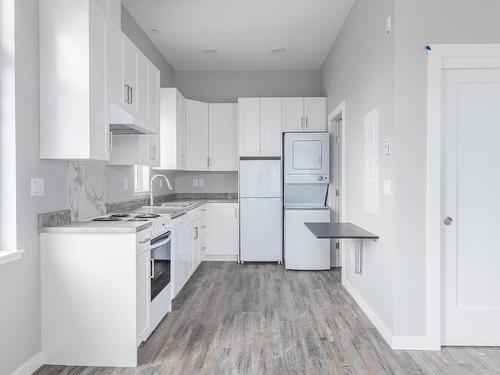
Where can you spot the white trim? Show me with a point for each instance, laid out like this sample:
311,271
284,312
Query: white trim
340,112
7,256
442,56
370,313
30,366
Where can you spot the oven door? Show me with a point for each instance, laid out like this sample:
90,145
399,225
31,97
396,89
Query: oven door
160,263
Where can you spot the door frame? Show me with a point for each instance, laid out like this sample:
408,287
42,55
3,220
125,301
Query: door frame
443,56
339,113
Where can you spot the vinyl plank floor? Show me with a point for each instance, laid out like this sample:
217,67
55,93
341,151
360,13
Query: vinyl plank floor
261,319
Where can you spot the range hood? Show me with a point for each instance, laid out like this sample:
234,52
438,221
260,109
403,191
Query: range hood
123,122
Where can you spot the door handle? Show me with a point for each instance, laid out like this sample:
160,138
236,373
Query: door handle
448,220
127,87
152,269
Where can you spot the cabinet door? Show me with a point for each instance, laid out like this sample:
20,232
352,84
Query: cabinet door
196,136
194,248
130,75
180,259
153,115
293,114
142,294
315,114
223,229
181,131
249,126
270,126
140,96
223,139
99,124
117,92
148,151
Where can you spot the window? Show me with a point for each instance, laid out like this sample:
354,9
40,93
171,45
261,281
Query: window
141,178
8,215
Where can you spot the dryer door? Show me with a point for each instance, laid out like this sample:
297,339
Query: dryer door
307,153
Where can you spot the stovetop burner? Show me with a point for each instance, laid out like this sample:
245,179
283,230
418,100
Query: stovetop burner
147,216
109,218
120,215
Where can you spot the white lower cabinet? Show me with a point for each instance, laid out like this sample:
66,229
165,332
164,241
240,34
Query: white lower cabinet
143,291
223,235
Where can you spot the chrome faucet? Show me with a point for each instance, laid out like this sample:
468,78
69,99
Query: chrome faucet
169,185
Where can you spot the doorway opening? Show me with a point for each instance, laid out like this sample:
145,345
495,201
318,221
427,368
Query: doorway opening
336,197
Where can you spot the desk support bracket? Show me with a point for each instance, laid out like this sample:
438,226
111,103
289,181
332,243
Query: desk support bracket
358,257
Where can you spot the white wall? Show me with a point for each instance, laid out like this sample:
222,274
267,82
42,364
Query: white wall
420,23
360,70
20,280
227,86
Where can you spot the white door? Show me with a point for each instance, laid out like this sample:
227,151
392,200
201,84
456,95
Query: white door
293,114
117,92
141,97
224,229
315,114
196,136
270,126
153,98
130,75
471,183
261,229
223,139
249,126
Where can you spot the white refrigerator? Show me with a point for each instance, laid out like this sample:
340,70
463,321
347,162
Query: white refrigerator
261,211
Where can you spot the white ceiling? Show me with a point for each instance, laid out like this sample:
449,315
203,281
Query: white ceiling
243,31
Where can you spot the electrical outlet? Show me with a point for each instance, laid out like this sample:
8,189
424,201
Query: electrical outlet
200,182
125,184
37,187
195,182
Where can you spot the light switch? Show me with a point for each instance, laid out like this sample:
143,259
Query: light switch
200,182
37,187
387,187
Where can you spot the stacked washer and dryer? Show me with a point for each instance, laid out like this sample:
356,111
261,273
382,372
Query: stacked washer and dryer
306,181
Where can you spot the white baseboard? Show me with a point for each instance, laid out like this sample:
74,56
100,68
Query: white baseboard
395,342
220,258
30,366
372,315
413,343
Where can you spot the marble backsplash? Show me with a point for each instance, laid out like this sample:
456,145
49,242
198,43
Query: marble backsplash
86,189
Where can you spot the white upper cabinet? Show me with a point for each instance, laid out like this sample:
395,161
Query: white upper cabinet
304,115
223,129
249,126
315,115
91,76
293,114
260,126
196,136
172,129
113,9
270,126
73,105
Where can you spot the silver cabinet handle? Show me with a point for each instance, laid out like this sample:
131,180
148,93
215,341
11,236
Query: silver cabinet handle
131,95
208,162
110,141
236,213
448,220
203,226
152,269
127,87
307,122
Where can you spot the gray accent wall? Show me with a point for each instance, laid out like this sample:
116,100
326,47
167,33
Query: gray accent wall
360,70
369,69
227,86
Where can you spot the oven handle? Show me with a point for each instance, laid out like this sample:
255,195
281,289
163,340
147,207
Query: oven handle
160,240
